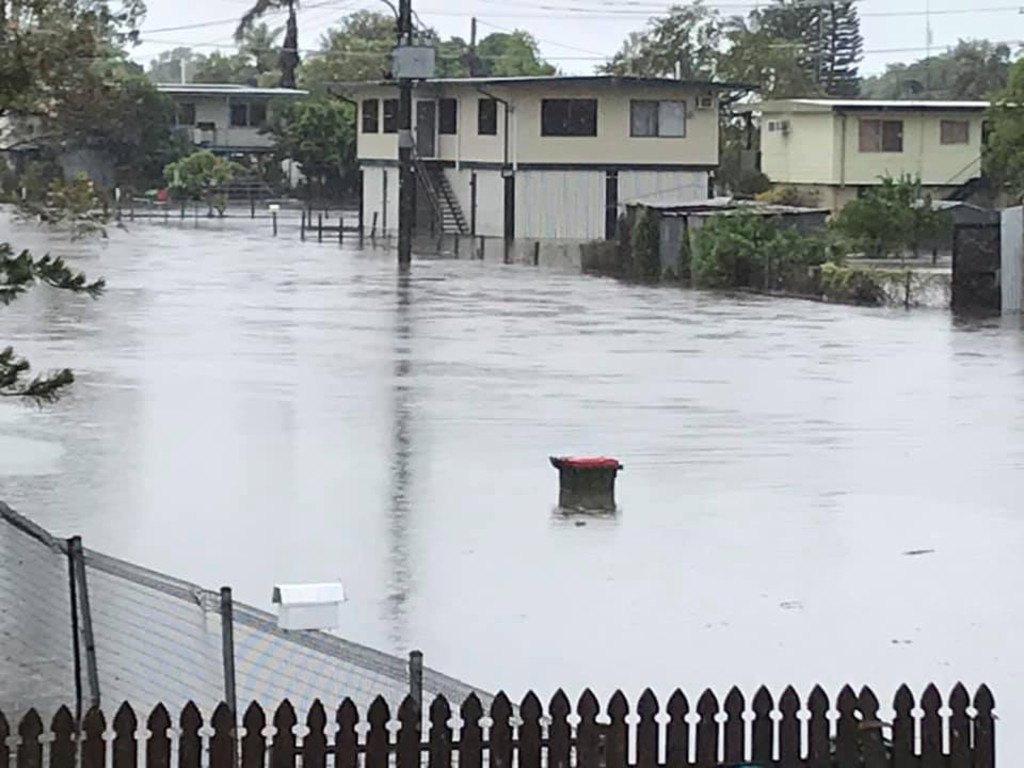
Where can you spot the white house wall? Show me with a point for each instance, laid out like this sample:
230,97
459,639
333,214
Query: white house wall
662,186
560,204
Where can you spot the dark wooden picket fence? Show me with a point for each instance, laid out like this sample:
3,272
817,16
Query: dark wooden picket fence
768,735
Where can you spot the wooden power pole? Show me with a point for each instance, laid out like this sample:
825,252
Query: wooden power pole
406,179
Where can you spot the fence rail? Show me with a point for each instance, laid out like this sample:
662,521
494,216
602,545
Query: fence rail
769,734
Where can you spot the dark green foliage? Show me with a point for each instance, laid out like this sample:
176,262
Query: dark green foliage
746,250
851,285
319,134
18,273
829,39
973,70
645,241
1004,155
891,218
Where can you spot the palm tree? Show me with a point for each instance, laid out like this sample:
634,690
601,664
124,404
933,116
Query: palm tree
259,43
289,58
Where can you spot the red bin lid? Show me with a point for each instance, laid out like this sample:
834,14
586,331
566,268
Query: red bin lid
586,462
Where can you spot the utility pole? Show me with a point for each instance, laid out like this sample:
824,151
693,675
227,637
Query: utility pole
406,180
472,34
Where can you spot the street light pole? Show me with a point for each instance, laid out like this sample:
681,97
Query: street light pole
406,181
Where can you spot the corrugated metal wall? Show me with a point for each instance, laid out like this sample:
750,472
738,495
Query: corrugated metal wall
1012,260
373,198
560,204
663,186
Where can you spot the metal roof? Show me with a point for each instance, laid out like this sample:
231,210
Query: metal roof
831,105
621,80
225,89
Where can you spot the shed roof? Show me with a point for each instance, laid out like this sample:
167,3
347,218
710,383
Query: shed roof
728,205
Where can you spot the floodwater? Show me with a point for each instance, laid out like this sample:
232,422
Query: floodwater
253,410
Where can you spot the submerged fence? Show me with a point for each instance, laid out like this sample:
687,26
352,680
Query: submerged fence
81,628
766,735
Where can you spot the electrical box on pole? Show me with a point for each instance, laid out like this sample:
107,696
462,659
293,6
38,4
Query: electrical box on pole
413,62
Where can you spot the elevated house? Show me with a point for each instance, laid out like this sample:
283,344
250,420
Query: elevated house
226,118
536,158
832,150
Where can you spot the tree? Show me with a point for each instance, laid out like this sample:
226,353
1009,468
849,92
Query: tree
892,217
288,60
972,70
120,115
46,47
357,49
174,66
201,176
18,273
319,134
1004,155
510,55
687,39
753,55
235,68
258,44
828,39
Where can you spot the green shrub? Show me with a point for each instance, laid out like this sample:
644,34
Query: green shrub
745,250
646,246
852,285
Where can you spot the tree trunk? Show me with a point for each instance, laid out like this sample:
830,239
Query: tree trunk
289,60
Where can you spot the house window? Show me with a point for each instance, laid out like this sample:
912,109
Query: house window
257,114
371,116
239,115
568,117
657,118
248,115
390,115
448,117
881,135
954,131
487,117
186,114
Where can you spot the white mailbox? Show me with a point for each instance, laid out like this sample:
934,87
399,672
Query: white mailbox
309,606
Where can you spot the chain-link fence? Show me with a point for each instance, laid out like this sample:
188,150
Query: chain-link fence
80,627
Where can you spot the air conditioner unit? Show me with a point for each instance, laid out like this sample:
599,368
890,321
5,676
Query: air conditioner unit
706,102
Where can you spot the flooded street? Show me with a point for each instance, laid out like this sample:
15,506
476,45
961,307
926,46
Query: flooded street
254,410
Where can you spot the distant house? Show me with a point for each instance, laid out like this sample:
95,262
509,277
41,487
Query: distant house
226,118
834,149
537,158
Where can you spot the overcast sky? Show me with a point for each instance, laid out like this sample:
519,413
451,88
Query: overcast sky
578,34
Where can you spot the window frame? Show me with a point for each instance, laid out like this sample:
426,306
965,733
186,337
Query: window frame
238,105
547,120
389,115
258,107
878,140
369,117
657,104
491,105
183,109
946,140
447,117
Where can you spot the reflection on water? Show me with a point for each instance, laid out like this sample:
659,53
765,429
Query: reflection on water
401,480
254,411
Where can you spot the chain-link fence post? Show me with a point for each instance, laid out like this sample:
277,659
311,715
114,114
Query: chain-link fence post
85,613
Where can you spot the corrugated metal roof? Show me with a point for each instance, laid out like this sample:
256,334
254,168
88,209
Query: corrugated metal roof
726,205
558,80
225,89
778,105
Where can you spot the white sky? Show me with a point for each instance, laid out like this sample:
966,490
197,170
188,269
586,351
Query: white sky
578,34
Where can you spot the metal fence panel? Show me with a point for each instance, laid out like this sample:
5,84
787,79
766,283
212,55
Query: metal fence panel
159,639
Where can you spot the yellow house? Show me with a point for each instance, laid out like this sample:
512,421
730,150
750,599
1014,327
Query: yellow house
833,149
226,118
537,158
